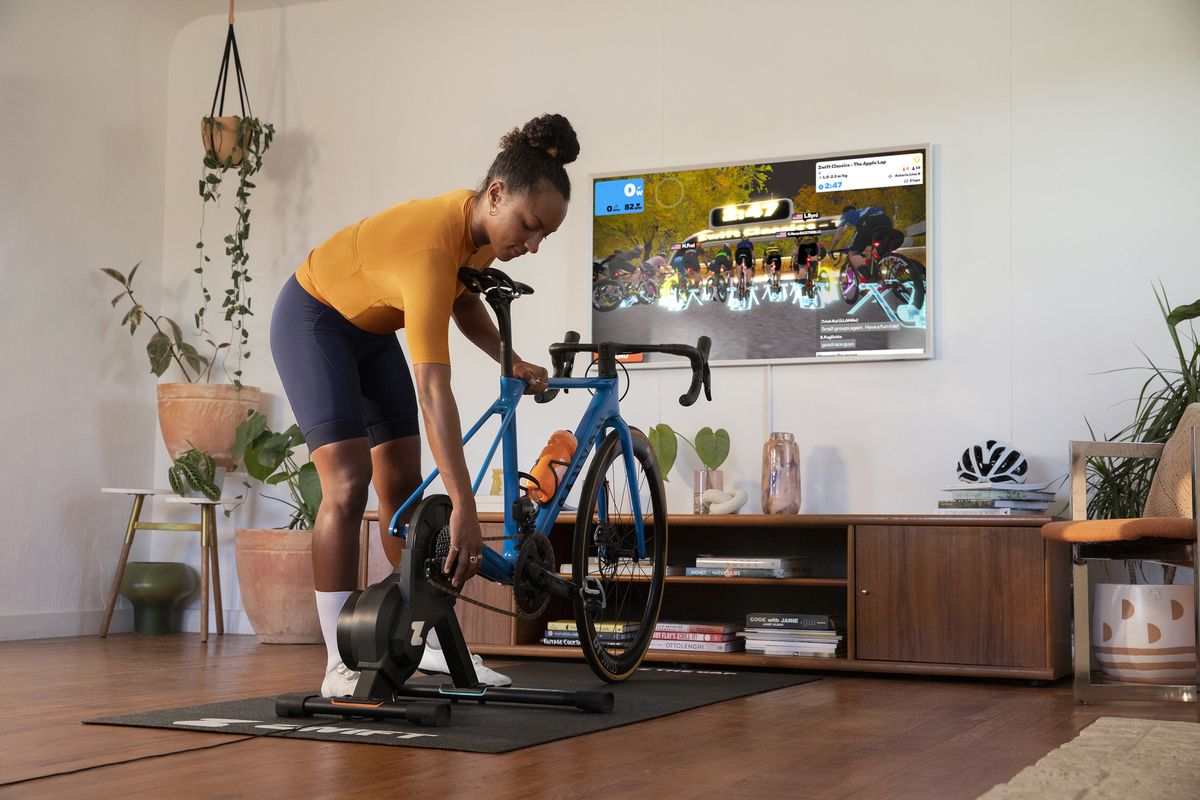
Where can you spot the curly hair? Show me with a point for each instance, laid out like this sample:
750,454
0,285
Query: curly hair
536,153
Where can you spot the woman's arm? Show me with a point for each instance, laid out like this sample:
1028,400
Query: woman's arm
473,319
476,324
444,431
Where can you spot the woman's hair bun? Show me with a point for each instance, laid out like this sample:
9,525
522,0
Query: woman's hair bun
550,133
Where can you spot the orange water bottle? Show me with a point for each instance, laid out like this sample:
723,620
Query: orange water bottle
551,466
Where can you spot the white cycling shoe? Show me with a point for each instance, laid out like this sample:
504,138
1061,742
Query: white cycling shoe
434,661
339,681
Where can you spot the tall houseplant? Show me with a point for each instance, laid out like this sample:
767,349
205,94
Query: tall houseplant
1117,488
274,565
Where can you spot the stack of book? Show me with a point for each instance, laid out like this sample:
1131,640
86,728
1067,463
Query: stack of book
746,567
815,635
705,637
997,498
564,633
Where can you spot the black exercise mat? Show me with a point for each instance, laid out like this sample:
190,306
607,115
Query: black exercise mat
491,728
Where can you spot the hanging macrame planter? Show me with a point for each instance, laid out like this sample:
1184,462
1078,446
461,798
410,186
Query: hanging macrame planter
223,136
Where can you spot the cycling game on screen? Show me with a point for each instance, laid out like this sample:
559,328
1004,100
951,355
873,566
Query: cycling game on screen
816,259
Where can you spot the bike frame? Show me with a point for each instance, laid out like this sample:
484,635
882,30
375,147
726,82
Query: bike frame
602,414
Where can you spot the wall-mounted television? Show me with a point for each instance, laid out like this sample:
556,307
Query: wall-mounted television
809,259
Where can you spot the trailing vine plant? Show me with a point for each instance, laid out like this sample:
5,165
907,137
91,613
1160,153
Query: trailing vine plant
253,140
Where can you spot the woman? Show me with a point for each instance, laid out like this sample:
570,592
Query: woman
346,378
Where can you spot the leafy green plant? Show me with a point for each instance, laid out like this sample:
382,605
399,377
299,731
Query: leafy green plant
254,138
268,457
166,343
194,470
711,446
1117,488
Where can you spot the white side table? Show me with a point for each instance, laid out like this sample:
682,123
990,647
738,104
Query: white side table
207,527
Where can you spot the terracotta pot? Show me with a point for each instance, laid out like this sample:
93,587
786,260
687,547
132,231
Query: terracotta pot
275,576
221,139
206,414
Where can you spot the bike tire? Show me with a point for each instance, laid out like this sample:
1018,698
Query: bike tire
606,296
848,284
629,598
647,291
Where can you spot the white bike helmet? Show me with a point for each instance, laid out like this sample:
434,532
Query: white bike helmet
992,461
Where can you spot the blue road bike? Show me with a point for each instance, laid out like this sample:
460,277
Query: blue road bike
618,555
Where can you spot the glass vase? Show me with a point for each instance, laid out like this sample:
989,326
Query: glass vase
703,480
781,475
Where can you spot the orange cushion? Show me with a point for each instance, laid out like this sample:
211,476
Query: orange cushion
1120,530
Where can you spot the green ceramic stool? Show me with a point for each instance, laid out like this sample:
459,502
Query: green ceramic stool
154,588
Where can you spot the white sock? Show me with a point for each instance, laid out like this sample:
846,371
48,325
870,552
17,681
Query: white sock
329,605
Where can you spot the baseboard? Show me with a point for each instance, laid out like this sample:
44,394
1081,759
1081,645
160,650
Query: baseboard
56,624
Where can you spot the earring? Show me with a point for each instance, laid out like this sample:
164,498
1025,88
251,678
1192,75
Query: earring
492,212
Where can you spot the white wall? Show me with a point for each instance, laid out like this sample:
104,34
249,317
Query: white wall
1063,161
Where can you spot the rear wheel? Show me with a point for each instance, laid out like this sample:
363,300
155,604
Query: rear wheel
606,295
614,638
848,283
911,276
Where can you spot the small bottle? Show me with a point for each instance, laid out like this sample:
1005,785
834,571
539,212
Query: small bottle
551,466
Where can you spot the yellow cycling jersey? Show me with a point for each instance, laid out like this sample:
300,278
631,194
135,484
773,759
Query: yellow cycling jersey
399,269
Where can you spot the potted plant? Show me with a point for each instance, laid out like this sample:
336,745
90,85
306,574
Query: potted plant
193,413
194,473
1149,612
241,149
274,565
712,448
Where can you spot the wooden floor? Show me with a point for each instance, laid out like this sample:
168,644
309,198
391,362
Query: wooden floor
841,737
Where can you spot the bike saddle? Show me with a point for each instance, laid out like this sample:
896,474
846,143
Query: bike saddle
491,281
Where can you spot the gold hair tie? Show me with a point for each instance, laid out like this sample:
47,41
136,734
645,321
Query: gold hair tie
552,152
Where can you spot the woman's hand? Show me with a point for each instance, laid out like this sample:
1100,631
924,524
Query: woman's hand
536,378
466,546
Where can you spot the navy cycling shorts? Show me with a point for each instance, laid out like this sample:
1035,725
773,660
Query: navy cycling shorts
341,381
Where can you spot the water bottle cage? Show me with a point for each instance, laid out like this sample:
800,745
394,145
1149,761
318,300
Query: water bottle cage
532,483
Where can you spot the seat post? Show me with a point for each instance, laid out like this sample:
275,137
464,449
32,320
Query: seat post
500,304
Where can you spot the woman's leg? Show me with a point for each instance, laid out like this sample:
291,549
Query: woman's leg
345,471
396,473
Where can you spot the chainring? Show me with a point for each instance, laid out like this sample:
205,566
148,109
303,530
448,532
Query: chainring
530,592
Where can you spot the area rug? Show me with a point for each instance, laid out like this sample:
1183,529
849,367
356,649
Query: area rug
1116,758
491,728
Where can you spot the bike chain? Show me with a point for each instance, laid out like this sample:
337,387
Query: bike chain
458,595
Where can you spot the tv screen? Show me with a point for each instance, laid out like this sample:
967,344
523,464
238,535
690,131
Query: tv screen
816,258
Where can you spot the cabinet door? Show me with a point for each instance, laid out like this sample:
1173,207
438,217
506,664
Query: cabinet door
950,595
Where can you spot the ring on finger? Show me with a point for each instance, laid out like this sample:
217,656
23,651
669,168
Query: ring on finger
472,559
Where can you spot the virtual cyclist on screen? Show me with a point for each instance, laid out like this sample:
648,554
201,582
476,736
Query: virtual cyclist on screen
870,225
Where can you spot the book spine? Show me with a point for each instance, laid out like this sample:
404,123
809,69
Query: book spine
560,642
998,512
708,647
792,621
739,572
601,627
692,637
1001,494
793,653
690,627
749,563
